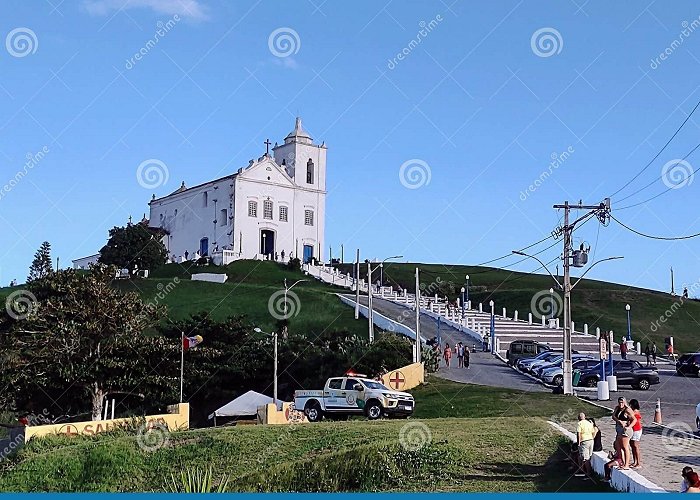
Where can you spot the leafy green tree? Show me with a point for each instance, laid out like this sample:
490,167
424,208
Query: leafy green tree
134,246
41,265
85,338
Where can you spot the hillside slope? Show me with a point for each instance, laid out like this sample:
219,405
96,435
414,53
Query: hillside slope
597,303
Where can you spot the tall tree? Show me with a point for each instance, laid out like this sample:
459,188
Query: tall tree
86,338
41,265
134,246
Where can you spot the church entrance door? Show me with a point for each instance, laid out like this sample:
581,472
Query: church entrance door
204,247
308,253
267,242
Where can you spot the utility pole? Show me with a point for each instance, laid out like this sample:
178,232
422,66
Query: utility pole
369,301
673,291
357,285
600,210
418,342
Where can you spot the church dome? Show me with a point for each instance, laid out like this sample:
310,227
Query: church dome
298,134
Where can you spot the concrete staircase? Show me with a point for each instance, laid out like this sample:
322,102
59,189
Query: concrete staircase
474,321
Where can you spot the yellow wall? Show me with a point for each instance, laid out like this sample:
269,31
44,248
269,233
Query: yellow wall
405,378
269,414
177,419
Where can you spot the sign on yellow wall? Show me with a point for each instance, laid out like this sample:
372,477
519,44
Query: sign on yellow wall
178,419
405,378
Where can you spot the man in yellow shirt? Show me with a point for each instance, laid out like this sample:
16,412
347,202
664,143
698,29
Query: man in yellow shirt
585,432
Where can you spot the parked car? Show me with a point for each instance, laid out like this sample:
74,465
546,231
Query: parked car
557,363
688,364
344,396
519,364
524,349
527,364
555,375
628,372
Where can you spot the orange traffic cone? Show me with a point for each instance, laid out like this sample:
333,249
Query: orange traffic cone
657,412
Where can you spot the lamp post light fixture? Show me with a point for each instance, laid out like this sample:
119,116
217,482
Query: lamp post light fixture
463,289
274,390
551,303
467,295
629,325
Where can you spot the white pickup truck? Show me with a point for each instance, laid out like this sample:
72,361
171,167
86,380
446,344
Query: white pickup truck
344,396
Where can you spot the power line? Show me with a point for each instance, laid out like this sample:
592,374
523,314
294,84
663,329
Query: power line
657,154
511,253
654,182
665,238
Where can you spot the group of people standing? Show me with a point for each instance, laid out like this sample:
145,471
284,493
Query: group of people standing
462,353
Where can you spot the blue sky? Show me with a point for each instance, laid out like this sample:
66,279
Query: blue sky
478,108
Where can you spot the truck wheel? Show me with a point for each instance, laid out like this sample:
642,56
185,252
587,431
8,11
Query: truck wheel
313,412
373,410
558,381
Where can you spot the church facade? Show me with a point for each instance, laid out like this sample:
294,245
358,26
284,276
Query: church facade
273,208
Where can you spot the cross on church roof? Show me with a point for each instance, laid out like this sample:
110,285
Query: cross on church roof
267,146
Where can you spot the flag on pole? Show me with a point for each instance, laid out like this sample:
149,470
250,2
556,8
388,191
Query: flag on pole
189,342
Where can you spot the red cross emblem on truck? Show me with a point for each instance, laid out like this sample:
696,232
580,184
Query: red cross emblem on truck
397,380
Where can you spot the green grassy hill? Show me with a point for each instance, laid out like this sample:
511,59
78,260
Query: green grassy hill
488,452
247,292
252,283
597,303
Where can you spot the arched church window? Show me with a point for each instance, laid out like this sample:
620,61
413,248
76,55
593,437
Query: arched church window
310,172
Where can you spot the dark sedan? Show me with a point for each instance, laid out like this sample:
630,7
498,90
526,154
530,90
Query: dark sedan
627,372
688,364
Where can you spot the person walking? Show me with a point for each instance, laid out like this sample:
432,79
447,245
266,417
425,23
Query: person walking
466,357
623,348
636,435
460,355
653,353
447,354
624,420
585,431
647,353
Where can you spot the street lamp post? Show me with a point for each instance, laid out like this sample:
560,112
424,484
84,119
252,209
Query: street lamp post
286,290
629,325
551,304
467,294
274,390
370,312
381,274
463,289
492,333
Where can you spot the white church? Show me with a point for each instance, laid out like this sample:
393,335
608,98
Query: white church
274,208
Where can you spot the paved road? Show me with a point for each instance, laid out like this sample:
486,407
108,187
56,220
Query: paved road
679,395
484,368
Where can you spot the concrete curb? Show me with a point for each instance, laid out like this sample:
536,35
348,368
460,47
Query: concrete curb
622,480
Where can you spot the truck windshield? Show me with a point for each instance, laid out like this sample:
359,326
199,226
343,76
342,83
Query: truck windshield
370,384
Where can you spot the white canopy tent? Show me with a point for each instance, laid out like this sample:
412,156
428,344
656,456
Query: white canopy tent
245,405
